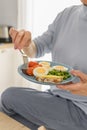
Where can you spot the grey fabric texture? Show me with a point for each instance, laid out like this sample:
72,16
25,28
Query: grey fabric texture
66,39
18,117
43,108
24,121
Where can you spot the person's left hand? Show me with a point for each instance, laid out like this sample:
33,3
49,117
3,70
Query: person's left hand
79,88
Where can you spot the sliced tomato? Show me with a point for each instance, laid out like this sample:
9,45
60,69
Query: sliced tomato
30,69
32,63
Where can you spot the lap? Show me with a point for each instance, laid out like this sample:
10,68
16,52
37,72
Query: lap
53,111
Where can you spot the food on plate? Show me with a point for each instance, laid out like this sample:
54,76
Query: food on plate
31,66
53,76
32,63
50,78
44,72
64,74
29,71
59,67
40,71
45,64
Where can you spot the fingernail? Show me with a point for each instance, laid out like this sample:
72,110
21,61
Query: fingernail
21,33
15,47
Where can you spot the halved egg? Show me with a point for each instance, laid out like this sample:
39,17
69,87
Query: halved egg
40,71
60,68
45,64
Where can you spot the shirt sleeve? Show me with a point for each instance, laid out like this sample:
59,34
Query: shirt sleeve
44,43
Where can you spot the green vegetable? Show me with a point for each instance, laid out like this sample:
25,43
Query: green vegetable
65,74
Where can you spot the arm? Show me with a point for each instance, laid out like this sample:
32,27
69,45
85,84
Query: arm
22,40
40,45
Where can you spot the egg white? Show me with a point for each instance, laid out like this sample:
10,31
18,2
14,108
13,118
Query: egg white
45,64
60,68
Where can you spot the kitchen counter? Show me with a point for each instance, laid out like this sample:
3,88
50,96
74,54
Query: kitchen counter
6,45
10,59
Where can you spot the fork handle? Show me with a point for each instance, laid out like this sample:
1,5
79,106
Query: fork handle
25,59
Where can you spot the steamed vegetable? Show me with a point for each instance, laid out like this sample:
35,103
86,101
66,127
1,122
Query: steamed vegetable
65,74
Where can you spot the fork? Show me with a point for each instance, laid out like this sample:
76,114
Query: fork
25,59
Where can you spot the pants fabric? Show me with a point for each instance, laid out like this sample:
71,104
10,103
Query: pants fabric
43,108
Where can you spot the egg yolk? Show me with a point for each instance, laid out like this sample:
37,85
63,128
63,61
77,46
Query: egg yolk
41,70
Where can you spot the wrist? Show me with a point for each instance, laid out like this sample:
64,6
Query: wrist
30,50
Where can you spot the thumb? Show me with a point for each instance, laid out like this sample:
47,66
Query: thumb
81,75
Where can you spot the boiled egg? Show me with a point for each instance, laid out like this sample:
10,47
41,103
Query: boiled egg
40,71
60,68
45,64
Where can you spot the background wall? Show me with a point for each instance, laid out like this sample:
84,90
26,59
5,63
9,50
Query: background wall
8,12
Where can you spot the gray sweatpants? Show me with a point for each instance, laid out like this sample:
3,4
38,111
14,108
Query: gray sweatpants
43,108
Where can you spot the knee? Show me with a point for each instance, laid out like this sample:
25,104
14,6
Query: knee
7,95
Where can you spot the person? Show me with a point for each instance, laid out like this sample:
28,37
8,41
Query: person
63,107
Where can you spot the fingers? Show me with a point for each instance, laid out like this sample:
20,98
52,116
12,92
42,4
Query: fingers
81,75
20,38
13,33
76,88
26,40
70,87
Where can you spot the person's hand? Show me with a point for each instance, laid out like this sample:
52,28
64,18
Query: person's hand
20,38
79,88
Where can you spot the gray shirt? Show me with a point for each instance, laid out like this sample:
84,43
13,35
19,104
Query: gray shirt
66,39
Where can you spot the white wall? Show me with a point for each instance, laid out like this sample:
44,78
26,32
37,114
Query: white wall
8,12
45,11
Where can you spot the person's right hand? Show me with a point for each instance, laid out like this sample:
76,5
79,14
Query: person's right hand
21,39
